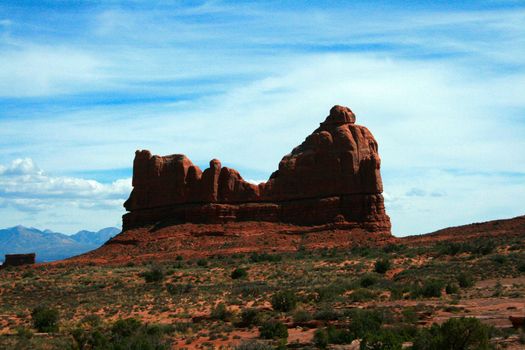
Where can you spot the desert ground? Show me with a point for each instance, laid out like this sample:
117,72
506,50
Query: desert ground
306,299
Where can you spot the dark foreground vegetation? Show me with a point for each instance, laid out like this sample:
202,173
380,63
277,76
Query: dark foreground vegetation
444,296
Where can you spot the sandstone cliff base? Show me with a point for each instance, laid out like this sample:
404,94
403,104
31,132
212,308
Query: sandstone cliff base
203,240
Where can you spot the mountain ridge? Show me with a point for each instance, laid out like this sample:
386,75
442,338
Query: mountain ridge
49,245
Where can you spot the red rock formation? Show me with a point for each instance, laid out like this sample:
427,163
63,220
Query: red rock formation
333,176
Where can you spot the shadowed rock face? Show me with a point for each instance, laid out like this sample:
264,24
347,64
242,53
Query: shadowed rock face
19,259
333,176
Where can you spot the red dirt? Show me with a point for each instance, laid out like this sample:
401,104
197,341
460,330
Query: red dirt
496,228
200,240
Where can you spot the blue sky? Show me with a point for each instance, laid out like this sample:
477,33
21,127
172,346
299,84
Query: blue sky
440,84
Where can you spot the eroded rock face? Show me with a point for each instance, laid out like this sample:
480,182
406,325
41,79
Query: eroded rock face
333,176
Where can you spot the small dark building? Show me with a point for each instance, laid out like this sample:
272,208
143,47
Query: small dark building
19,259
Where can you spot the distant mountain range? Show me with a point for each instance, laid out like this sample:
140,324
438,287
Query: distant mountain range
49,245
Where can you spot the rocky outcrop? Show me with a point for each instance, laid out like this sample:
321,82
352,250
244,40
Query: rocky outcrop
333,176
19,259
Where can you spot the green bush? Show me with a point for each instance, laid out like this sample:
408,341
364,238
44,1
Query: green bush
220,312
155,274
239,273
368,281
364,321
465,280
284,301
327,314
362,294
202,262
382,266
28,274
124,334
456,334
499,259
332,335
250,317
382,340
521,267
273,330
256,257
302,316
330,292
45,319
179,288
432,288
125,327
452,288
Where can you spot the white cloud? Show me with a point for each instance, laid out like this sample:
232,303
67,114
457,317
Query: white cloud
25,188
30,70
20,166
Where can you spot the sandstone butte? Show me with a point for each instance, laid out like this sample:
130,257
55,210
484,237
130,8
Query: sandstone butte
333,176
326,193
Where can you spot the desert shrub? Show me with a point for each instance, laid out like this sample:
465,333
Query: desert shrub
91,320
453,248
521,267
23,332
179,288
202,262
45,319
449,248
485,248
90,338
221,312
250,317
239,273
327,314
125,327
368,280
432,288
499,259
455,333
179,258
330,292
253,345
364,321
396,291
284,301
273,330
332,335
321,338
382,265
391,248
127,333
182,327
465,280
381,340
452,288
362,294
154,274
302,316
260,257
28,274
